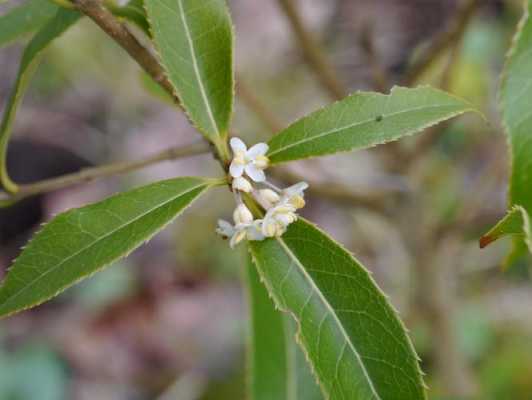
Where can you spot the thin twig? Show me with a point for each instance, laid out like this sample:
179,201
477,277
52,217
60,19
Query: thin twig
337,193
96,11
91,174
257,106
442,42
312,51
119,32
381,81
433,134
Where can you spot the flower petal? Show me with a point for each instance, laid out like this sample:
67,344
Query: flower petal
269,227
237,145
255,173
256,150
225,228
237,238
254,231
285,219
236,169
298,188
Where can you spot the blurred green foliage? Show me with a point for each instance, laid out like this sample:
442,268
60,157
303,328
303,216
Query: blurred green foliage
31,369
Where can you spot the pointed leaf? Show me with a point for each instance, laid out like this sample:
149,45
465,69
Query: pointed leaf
30,60
357,345
195,44
277,366
25,19
516,106
515,223
82,241
364,120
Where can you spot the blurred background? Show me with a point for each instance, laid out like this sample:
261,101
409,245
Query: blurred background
169,322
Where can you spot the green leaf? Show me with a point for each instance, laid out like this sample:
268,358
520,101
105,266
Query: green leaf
30,60
516,106
195,44
516,223
351,334
132,11
277,367
80,242
303,383
25,19
364,120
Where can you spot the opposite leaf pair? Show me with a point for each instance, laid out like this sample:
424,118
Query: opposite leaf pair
352,337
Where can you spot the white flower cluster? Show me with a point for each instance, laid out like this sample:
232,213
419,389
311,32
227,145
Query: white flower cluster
280,204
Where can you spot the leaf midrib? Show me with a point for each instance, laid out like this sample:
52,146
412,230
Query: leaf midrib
196,67
333,131
332,313
112,232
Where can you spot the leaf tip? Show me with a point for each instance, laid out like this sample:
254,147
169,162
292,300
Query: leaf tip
485,240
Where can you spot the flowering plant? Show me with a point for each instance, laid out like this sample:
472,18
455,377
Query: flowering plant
354,343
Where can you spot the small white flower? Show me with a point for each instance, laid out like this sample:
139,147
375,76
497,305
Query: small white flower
267,198
242,215
252,161
242,184
294,195
280,205
254,230
249,231
277,220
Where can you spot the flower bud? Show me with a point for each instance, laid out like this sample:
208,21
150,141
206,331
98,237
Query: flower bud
269,195
242,215
242,184
267,198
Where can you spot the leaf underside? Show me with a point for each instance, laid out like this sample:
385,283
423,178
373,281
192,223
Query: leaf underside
352,336
195,44
363,120
516,106
82,241
277,367
25,19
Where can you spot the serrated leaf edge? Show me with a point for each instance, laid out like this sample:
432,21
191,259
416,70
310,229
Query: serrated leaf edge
502,83
298,333
175,90
296,337
208,184
470,108
489,238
